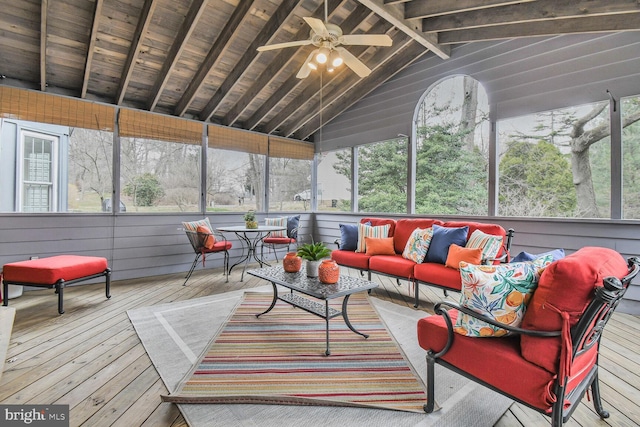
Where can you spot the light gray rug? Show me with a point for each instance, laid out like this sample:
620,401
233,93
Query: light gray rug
175,334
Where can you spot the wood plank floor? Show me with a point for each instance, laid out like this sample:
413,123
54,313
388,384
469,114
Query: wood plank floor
91,359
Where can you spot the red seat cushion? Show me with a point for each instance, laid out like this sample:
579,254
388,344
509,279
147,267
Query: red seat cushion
352,259
278,240
218,246
496,361
438,274
394,265
47,271
566,285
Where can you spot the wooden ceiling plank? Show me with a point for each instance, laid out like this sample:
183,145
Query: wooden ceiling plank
188,26
293,82
214,53
409,54
339,86
143,25
541,10
276,20
92,45
43,45
595,24
276,66
394,13
419,9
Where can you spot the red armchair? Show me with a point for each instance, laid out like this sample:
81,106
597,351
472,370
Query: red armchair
550,361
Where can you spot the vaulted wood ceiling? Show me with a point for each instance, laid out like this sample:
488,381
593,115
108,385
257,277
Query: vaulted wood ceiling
198,58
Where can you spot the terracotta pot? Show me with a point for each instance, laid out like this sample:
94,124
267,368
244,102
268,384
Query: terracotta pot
329,271
291,262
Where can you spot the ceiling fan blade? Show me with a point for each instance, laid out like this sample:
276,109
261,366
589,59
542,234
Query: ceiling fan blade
354,63
283,45
317,26
305,70
366,40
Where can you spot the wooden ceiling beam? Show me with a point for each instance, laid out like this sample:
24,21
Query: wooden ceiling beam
401,59
419,9
292,83
144,21
542,10
595,24
188,26
212,57
284,11
395,15
275,67
43,45
91,48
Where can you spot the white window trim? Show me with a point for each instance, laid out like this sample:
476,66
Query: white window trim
55,140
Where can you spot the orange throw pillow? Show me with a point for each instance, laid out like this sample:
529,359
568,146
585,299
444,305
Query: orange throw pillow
458,253
379,246
209,241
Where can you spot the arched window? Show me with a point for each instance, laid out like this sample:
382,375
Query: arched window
452,148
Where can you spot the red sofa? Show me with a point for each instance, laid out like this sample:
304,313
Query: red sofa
429,273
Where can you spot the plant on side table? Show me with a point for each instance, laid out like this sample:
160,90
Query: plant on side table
250,219
313,253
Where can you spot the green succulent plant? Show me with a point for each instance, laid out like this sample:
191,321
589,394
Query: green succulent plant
313,251
250,216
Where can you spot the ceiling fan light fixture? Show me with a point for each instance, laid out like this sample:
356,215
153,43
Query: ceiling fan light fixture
323,55
335,59
312,65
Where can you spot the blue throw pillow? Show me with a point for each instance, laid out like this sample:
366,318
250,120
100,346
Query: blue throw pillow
443,237
349,236
526,256
293,222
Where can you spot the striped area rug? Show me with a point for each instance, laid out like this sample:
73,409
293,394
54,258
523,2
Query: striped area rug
279,359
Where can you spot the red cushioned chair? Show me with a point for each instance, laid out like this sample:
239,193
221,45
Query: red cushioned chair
273,243
208,243
552,359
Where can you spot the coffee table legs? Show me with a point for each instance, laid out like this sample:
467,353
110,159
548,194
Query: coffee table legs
346,317
316,308
273,302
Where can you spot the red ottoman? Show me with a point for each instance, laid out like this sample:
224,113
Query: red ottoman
55,272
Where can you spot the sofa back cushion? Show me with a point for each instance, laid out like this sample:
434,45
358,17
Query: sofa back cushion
404,228
381,221
566,285
493,229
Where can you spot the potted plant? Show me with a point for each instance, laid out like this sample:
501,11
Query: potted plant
250,219
313,253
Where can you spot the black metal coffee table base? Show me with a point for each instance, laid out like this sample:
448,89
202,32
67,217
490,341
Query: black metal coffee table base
311,287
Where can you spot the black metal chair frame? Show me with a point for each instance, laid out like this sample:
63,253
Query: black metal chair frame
272,246
197,242
584,335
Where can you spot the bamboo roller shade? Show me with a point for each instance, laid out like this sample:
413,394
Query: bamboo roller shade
290,148
140,124
227,138
45,108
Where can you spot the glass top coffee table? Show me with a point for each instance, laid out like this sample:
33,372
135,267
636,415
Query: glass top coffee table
312,287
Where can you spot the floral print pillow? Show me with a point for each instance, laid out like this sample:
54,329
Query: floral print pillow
501,292
418,244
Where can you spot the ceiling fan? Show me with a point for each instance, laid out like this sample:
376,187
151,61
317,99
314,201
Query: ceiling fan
329,40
